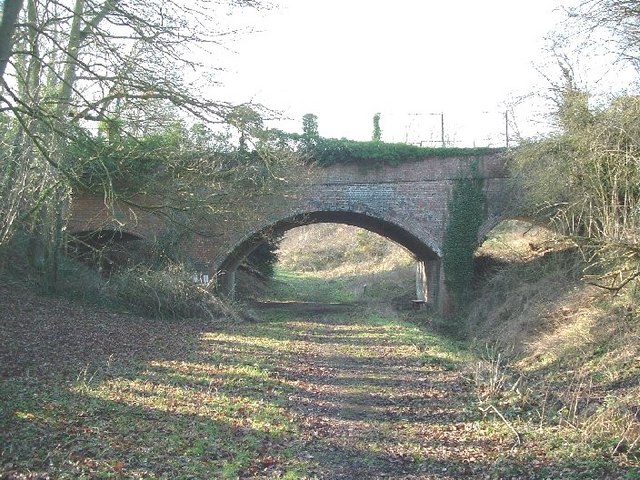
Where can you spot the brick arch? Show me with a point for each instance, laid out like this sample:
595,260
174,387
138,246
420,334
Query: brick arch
421,249
390,230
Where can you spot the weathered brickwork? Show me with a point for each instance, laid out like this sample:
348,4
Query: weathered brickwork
88,213
406,203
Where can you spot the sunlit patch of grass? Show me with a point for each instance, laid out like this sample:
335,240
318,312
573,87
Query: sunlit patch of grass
516,241
135,426
432,348
340,251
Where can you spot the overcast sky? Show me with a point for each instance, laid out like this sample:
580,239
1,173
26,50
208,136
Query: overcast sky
345,60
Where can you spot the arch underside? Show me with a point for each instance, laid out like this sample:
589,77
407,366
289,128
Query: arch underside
389,230
104,249
103,236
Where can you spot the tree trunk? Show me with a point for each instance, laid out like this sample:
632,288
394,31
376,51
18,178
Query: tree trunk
11,10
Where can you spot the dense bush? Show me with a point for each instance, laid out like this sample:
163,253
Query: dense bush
329,151
263,259
166,293
585,180
98,164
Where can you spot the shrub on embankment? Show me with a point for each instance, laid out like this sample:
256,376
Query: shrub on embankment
557,358
148,283
169,292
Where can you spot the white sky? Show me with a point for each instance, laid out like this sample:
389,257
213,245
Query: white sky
345,60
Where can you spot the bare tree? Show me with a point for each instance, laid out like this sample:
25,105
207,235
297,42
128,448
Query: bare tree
618,19
77,64
584,181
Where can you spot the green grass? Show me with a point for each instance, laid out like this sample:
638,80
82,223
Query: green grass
308,287
164,419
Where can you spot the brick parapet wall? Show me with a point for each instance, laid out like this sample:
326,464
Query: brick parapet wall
429,169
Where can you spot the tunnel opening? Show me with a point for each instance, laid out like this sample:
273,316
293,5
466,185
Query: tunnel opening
332,263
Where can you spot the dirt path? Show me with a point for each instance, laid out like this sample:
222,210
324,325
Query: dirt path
372,402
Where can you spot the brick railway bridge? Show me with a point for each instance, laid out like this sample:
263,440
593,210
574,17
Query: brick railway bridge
407,204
